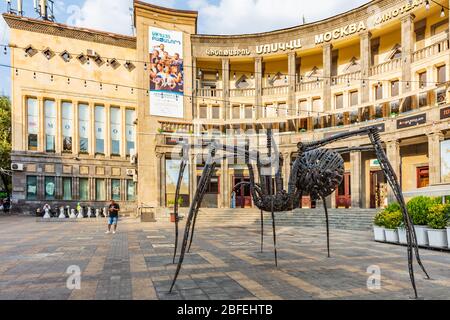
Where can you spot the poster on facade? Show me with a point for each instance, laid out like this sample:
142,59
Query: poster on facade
166,73
172,171
445,161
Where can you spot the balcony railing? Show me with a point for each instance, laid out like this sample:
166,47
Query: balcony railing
432,50
309,85
250,92
386,67
346,78
278,90
207,92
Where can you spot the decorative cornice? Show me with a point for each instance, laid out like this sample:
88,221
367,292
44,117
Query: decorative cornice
62,30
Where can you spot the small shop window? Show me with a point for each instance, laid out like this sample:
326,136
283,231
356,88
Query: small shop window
31,187
50,188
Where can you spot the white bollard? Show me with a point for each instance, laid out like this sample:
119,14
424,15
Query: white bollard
72,214
89,213
47,214
61,213
97,213
80,214
105,212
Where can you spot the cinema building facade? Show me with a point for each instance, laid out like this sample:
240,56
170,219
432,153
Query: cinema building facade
94,117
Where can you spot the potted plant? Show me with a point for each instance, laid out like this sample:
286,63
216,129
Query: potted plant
378,227
418,210
437,223
171,204
392,221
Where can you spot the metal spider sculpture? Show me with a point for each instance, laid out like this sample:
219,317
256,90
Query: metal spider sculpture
316,172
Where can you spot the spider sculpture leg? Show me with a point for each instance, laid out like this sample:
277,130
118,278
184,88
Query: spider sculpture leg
393,182
177,194
204,181
262,230
328,227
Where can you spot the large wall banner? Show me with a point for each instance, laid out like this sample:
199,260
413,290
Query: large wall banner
445,161
166,73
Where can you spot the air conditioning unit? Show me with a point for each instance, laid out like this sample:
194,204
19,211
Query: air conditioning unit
17,166
91,53
131,172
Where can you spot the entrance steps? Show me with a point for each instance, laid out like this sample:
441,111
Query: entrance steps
348,219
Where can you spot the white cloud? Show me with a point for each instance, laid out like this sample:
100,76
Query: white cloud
107,15
248,16
4,31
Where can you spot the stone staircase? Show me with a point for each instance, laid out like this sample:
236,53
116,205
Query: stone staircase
348,219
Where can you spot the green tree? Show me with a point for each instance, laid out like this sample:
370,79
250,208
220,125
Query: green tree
5,142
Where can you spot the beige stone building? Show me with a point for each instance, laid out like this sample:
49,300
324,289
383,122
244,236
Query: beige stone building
98,115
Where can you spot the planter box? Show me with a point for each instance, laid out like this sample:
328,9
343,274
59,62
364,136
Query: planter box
402,236
438,238
379,234
448,237
391,235
422,235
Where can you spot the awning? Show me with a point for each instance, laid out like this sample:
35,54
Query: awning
439,190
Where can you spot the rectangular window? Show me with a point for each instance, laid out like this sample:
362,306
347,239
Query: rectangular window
67,123
354,98
100,190
31,187
317,105
116,131
339,119
131,190
271,111
441,74
83,127
378,92
115,189
67,188
50,188
130,117
215,112
50,125
303,106
248,112
100,129
423,79
339,101
379,111
84,189
236,112
395,88
203,112
33,123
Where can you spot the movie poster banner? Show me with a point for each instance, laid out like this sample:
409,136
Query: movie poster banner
166,73
445,161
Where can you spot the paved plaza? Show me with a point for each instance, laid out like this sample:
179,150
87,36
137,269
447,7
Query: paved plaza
224,263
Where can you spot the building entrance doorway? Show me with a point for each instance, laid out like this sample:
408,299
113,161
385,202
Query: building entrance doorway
243,197
378,189
344,193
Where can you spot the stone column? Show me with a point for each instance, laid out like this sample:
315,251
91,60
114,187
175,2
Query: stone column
194,88
355,179
365,52
41,126
161,183
258,87
434,156
407,50
192,177
107,134
226,87
58,137
292,82
224,185
327,61
75,129
123,130
91,135
393,154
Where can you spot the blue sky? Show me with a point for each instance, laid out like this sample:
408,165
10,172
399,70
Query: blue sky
215,16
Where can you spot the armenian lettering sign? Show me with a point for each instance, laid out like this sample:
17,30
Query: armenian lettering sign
166,73
445,113
412,121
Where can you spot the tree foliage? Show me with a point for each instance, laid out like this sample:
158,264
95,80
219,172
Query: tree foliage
5,141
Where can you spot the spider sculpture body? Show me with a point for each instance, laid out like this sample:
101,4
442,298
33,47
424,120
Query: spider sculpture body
316,172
